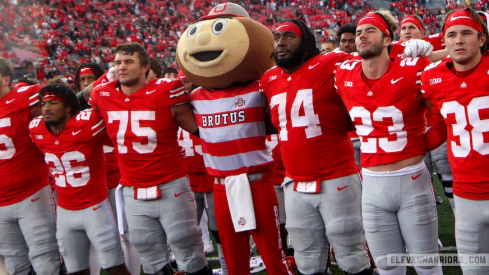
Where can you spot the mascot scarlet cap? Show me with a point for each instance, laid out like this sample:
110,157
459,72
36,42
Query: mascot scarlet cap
225,47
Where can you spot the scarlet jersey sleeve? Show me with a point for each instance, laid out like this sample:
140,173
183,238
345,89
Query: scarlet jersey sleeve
436,40
397,49
143,130
464,105
311,119
388,118
22,168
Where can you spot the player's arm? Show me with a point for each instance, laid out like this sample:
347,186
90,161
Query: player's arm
438,55
269,128
184,117
437,134
84,96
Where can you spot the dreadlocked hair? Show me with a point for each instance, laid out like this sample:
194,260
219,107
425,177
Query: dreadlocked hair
96,69
308,44
64,92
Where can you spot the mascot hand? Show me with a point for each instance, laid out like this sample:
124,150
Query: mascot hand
417,47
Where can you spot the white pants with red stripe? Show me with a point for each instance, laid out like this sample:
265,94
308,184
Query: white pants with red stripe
399,213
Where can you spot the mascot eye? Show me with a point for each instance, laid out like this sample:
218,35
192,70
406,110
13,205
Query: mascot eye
219,26
193,30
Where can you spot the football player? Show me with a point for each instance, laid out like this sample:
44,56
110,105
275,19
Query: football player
459,94
72,143
86,74
142,119
27,216
313,124
384,102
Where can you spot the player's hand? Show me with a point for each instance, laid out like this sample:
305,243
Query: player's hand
111,74
417,47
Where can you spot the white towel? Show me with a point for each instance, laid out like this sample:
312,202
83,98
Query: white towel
121,213
240,202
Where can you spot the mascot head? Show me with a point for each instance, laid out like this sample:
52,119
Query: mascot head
225,47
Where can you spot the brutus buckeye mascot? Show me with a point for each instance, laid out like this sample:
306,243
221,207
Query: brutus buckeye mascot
225,53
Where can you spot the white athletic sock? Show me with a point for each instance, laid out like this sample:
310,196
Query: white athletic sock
437,270
93,260
398,270
224,266
131,256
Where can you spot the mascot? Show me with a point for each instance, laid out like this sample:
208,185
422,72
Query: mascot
225,53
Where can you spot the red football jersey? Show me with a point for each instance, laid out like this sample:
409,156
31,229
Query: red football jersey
76,158
311,119
195,162
144,130
232,129
387,117
464,105
23,171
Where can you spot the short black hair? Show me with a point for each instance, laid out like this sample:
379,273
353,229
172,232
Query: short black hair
96,69
350,27
64,92
170,69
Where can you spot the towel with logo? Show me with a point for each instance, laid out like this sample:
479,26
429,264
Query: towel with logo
240,202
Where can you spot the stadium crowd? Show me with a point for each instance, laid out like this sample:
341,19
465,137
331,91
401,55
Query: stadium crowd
47,39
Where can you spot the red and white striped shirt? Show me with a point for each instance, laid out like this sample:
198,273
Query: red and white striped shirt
232,129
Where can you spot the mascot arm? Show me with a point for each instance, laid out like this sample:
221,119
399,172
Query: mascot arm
184,117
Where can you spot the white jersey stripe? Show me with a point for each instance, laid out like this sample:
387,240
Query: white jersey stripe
34,102
100,130
98,124
237,161
178,90
177,95
233,132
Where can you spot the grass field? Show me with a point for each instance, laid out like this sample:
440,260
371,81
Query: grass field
445,232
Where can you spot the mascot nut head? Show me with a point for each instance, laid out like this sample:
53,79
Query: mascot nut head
225,47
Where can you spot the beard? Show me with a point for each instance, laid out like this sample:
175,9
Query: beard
129,82
376,50
289,62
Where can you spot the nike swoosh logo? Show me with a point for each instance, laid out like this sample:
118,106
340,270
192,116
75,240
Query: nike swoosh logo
177,195
35,199
95,208
8,101
150,92
395,81
458,17
76,133
415,177
399,55
341,188
312,66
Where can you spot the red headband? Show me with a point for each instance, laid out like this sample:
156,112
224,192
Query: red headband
52,97
377,21
86,70
289,27
412,19
462,18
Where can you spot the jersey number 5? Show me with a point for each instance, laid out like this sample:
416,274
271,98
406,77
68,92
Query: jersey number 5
9,150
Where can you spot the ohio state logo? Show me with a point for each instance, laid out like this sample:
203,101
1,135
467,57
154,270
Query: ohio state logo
240,102
242,221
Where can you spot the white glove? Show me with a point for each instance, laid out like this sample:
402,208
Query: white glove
111,74
417,47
